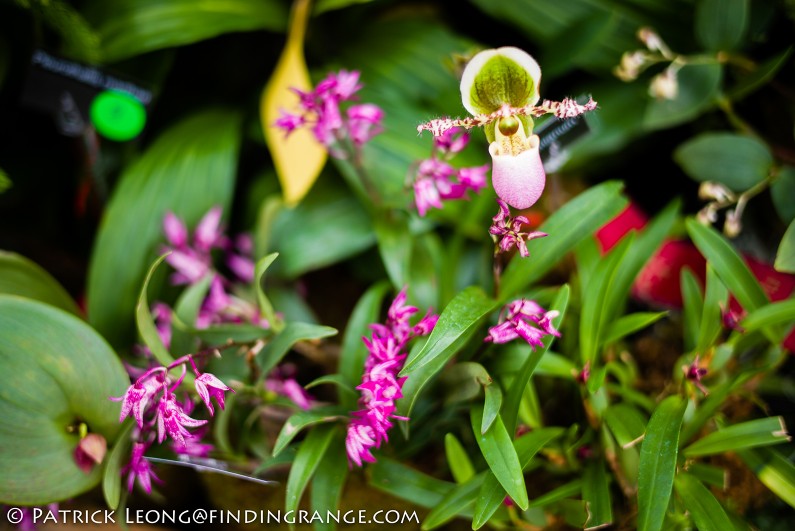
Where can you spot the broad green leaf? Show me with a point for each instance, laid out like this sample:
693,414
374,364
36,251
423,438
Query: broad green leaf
146,324
302,419
291,334
721,24
736,161
114,461
329,225
728,265
353,351
760,432
189,169
625,422
492,494
594,301
310,454
413,486
23,277
463,381
298,157
785,257
395,243
772,469
457,502
499,453
264,303
698,87
629,324
491,405
775,313
711,322
457,323
782,191
56,372
706,510
457,459
693,306
568,490
575,221
329,481
512,401
596,495
658,462
132,27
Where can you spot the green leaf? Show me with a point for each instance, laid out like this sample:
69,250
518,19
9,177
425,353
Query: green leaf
491,493
310,454
785,257
291,334
395,244
23,277
111,475
328,226
302,419
760,432
519,384
721,24
782,191
575,221
336,380
629,324
458,501
759,77
594,302
658,462
265,305
499,453
146,324
736,161
693,306
354,351
133,27
707,409
707,512
698,87
772,469
775,313
413,486
568,490
457,323
625,422
5,182
322,6
329,480
190,301
712,475
56,372
491,406
711,322
189,169
457,459
596,495
728,265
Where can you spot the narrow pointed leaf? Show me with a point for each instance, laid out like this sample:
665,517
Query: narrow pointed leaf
311,452
265,305
500,454
785,257
706,510
629,324
596,494
625,422
329,480
146,325
772,469
491,406
457,459
291,334
114,461
658,463
760,432
693,302
457,502
303,419
413,486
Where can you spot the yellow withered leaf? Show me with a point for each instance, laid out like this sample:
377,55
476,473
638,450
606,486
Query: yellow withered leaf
298,158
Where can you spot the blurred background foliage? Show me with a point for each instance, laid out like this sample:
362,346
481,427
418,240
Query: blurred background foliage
89,210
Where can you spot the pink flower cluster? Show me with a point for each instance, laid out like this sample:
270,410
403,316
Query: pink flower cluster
508,230
151,400
320,110
526,319
436,180
380,385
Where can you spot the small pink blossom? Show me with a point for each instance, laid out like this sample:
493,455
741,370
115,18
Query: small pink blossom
524,319
139,468
173,421
508,231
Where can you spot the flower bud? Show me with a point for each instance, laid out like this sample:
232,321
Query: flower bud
732,225
664,86
712,191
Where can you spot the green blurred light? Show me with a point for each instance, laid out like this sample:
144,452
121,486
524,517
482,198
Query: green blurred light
117,115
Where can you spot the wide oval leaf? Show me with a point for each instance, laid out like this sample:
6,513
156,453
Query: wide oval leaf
23,277
721,24
55,372
737,161
188,170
